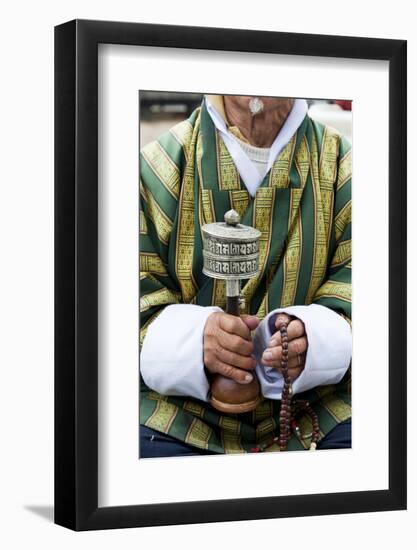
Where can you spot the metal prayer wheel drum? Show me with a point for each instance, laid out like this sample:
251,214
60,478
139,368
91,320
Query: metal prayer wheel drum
231,253
230,249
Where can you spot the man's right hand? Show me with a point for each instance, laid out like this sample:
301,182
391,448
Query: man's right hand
228,347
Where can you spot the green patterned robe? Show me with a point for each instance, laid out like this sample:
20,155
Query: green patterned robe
303,210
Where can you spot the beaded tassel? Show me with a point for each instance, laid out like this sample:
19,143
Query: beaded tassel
286,413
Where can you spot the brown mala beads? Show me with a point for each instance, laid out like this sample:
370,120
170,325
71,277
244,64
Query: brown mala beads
315,423
289,410
286,413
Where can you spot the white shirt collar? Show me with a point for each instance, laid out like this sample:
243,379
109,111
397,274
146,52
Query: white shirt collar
246,168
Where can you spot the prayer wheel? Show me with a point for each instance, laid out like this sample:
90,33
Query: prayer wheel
231,253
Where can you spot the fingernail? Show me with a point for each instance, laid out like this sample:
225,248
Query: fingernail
248,378
267,355
273,342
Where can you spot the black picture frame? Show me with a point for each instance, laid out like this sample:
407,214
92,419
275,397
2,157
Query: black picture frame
76,271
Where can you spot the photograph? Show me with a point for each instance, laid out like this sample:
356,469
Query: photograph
245,274
207,251
230,275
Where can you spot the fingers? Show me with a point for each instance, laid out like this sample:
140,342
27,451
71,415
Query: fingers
272,355
236,360
234,325
251,321
297,362
295,330
235,334
239,375
294,373
293,362
295,366
227,347
282,318
235,343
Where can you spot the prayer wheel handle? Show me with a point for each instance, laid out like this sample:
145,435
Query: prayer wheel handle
231,252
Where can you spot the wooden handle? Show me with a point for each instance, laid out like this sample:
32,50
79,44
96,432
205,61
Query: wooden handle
228,396
232,305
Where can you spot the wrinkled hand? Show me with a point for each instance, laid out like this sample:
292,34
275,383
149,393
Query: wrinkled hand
228,347
297,346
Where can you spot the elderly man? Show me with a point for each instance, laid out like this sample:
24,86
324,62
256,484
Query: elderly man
290,177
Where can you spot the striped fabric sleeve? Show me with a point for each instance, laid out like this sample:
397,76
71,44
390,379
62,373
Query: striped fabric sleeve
157,288
336,291
161,163
158,204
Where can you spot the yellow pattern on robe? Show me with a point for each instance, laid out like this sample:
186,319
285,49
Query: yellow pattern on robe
303,211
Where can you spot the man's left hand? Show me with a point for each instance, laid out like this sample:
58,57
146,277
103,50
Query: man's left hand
297,346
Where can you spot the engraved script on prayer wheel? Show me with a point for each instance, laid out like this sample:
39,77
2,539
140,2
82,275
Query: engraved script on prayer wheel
230,249
231,253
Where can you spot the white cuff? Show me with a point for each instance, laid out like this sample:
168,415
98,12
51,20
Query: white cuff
328,355
171,360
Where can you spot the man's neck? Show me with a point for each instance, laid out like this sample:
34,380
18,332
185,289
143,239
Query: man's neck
260,129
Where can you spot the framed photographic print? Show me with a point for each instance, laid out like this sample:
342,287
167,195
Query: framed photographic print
230,274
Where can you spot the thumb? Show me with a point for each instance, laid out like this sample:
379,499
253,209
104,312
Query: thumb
251,321
282,318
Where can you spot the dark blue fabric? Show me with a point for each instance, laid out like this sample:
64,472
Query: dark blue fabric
155,444
271,323
341,435
338,438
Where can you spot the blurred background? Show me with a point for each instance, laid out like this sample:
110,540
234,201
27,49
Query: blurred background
159,111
